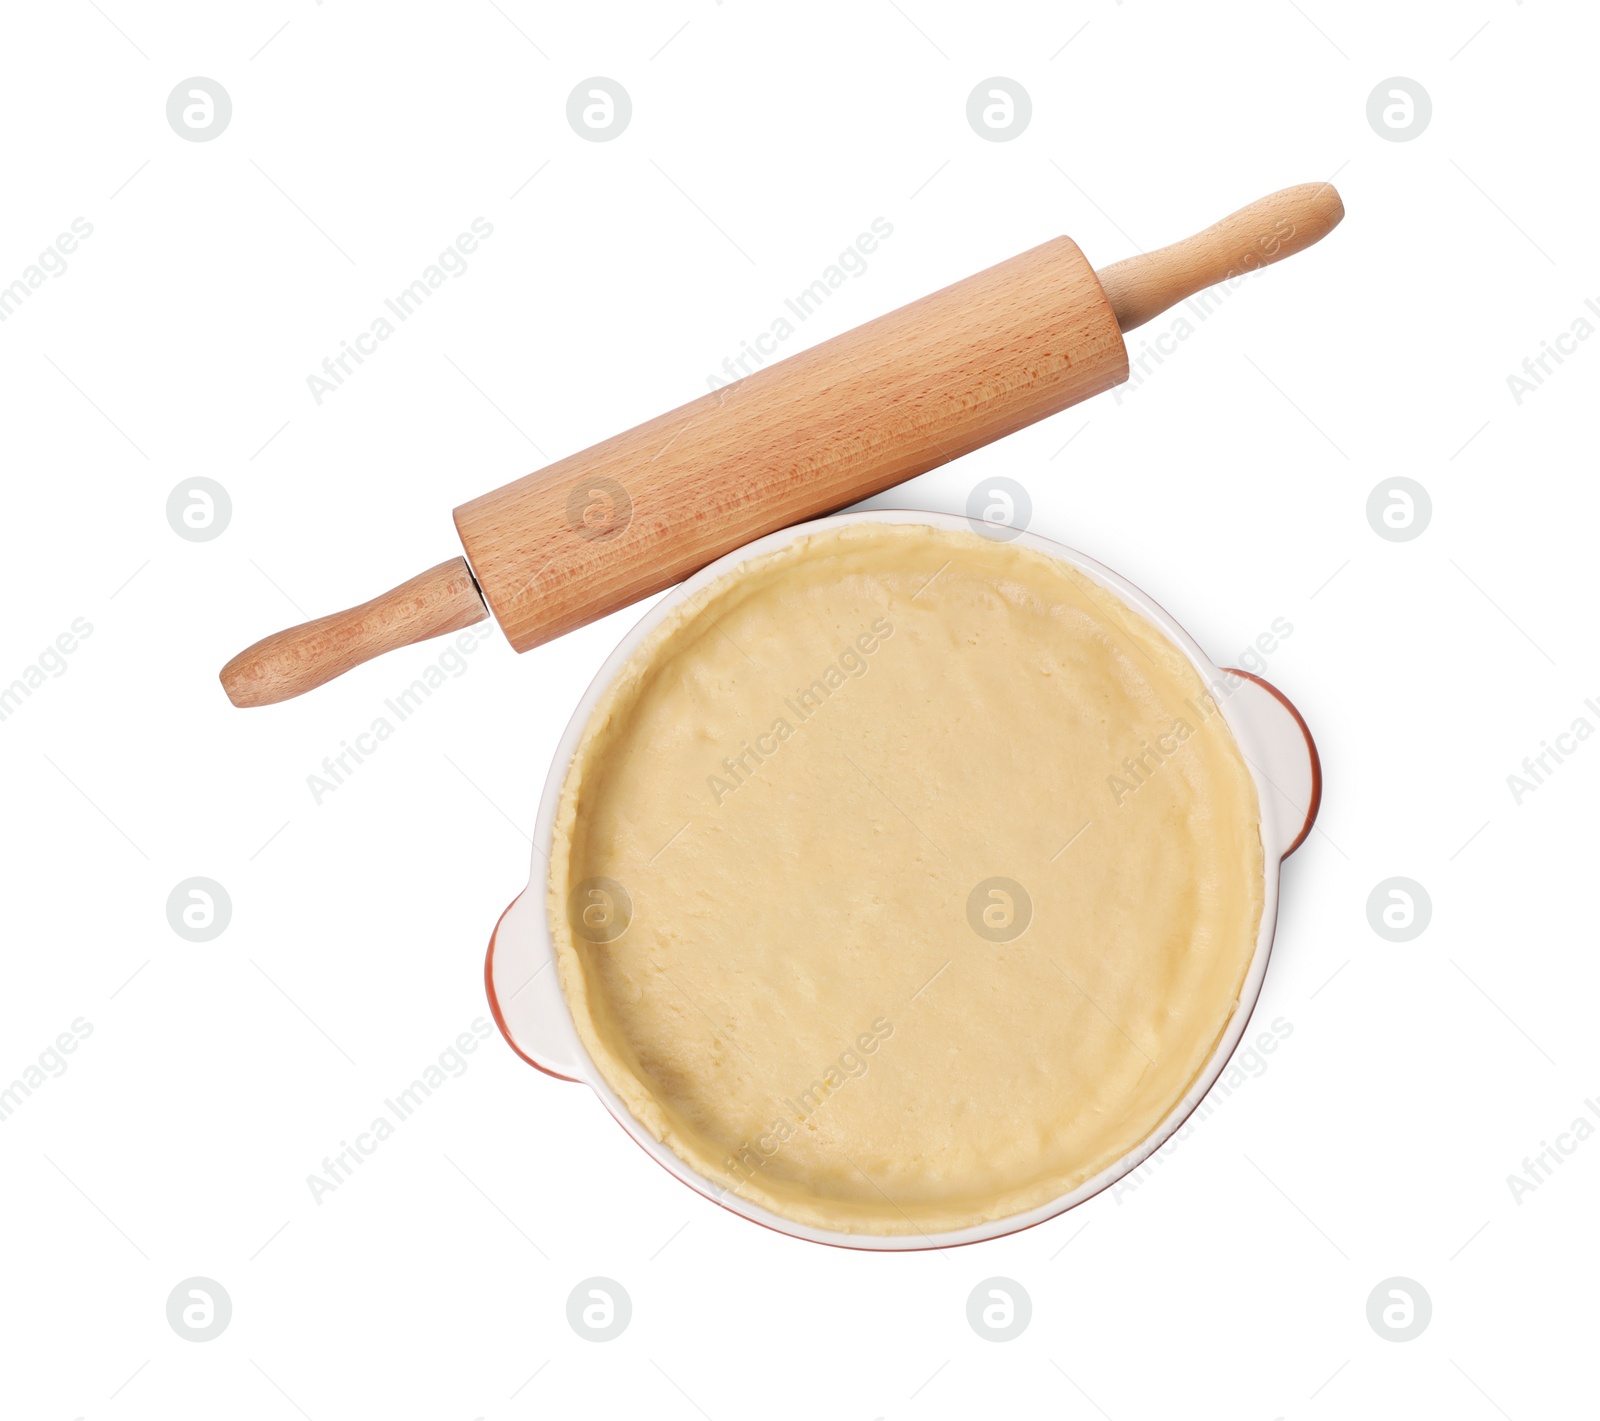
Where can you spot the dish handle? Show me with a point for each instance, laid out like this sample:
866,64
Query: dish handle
1282,753
524,990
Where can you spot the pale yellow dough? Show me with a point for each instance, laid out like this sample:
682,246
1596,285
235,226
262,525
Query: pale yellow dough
801,1006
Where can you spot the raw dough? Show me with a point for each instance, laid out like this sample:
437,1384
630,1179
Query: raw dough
776,842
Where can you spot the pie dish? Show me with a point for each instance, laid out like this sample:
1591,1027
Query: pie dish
902,882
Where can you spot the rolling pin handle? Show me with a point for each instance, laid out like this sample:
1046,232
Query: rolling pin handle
289,663
1279,225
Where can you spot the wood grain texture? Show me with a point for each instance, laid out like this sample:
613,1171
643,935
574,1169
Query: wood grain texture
1266,231
800,438
289,663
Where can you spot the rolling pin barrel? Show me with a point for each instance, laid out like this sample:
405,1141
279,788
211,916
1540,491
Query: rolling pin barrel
833,424
839,422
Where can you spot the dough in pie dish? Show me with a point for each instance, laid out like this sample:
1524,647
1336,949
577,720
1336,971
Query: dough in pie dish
904,879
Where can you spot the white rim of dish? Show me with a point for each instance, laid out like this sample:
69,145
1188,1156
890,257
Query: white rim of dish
1281,832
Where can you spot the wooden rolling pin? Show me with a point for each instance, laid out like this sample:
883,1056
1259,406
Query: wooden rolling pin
797,439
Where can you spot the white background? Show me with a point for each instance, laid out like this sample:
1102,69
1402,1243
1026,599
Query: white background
1231,486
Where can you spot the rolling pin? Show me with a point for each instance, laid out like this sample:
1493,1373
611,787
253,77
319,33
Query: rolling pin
799,438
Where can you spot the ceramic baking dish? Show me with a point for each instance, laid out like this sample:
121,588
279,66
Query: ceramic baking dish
527,1000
